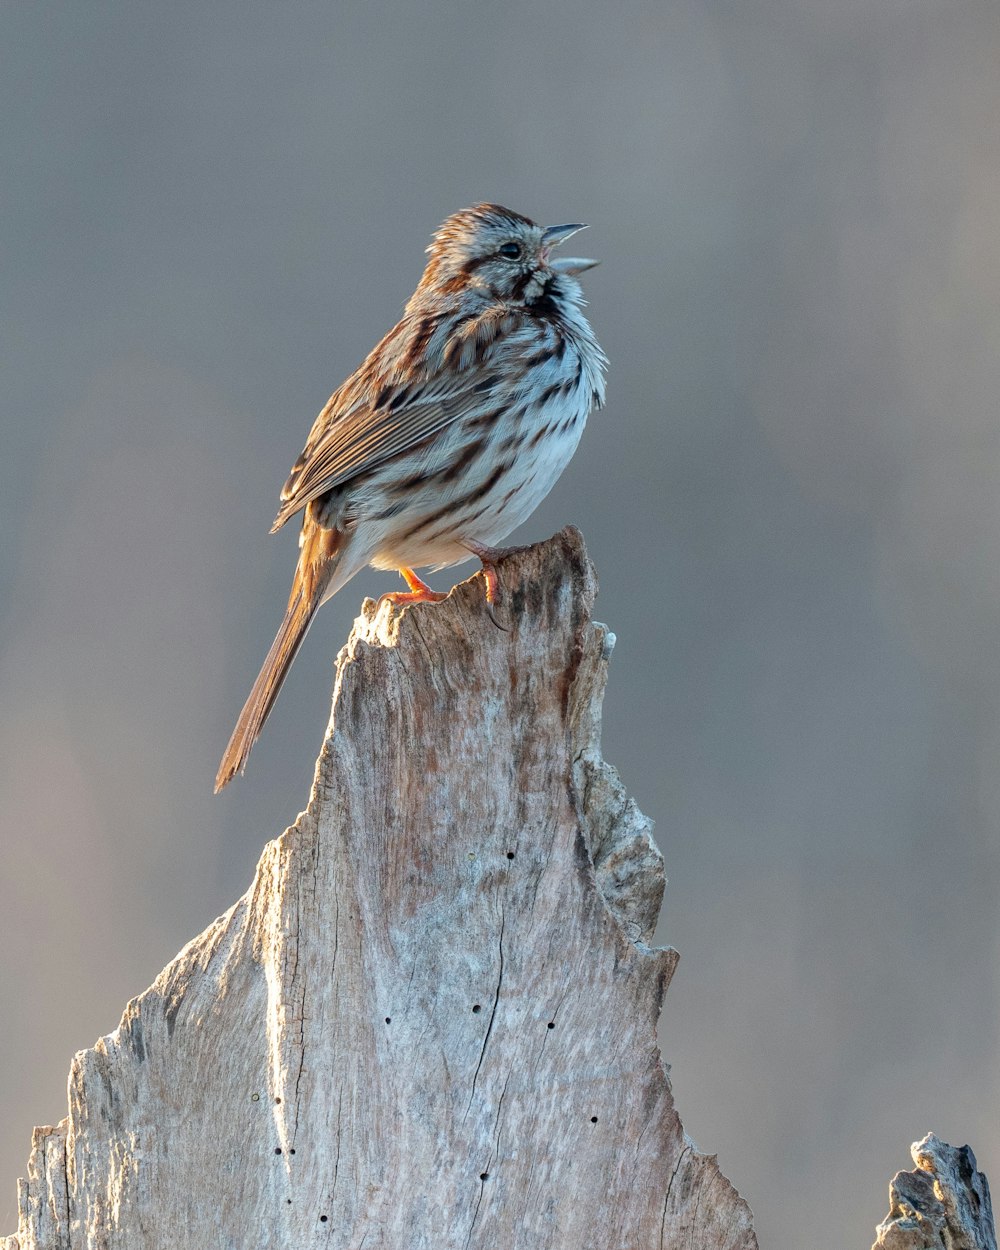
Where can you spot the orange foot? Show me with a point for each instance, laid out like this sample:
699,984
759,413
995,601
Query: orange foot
419,592
491,557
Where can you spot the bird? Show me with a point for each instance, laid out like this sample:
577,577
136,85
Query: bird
447,437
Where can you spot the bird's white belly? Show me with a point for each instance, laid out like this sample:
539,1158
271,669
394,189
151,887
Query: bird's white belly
500,490
534,479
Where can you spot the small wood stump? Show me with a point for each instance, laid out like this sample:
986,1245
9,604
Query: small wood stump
943,1205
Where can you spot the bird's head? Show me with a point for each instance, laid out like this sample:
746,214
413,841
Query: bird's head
501,255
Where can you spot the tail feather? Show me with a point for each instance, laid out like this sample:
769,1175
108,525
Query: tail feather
317,564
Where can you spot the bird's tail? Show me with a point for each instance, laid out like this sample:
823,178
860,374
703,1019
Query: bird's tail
318,560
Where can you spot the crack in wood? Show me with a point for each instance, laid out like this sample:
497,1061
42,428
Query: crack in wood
489,1026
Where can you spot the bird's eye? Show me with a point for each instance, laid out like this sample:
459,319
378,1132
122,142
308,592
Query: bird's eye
511,250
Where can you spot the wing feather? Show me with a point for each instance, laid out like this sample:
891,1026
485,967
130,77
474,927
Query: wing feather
381,412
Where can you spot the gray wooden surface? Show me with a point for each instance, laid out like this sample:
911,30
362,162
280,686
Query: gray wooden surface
431,1021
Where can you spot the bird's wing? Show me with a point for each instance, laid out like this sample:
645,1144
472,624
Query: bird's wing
381,411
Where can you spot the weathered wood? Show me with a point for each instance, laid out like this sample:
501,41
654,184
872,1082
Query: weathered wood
431,1020
943,1205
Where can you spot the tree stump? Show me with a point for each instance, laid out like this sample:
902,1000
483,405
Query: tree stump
943,1205
431,1021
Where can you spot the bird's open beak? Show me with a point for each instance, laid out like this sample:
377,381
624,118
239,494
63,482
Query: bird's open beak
552,237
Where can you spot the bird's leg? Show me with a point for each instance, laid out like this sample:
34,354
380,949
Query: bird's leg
491,557
419,592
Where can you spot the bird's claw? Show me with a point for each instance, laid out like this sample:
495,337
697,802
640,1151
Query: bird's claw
493,616
419,592
491,557
400,598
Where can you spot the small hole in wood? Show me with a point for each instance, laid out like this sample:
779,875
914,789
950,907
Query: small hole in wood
476,1008
510,854
292,1151
388,1019
277,1150
551,1024
277,1100
484,1176
323,1219
593,1119
289,1201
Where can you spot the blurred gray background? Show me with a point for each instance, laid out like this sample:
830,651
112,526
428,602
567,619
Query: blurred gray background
210,214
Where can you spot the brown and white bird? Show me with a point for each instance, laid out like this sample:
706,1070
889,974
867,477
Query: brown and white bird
449,435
